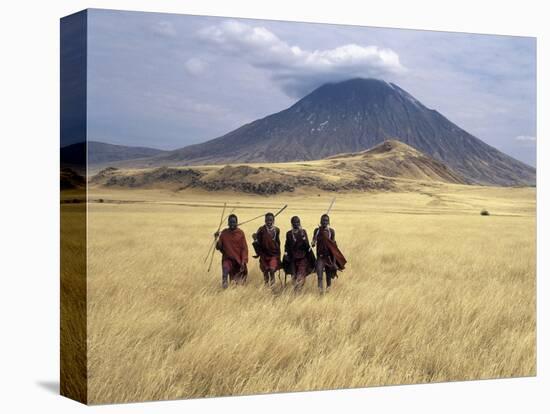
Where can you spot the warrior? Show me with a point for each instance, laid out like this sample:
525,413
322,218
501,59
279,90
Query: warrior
232,244
299,259
329,257
267,246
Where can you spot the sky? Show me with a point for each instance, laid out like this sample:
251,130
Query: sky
167,80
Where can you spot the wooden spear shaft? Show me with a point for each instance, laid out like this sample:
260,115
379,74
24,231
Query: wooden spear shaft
262,215
280,211
314,241
331,204
213,245
215,239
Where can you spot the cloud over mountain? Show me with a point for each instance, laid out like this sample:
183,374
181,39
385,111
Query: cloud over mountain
295,70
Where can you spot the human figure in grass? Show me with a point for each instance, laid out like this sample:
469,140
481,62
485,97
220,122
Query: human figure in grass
267,246
298,260
329,257
232,244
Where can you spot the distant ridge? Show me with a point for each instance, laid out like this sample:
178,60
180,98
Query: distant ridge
386,167
352,116
103,153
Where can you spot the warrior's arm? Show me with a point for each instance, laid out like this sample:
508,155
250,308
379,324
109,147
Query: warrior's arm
314,240
219,244
333,235
278,237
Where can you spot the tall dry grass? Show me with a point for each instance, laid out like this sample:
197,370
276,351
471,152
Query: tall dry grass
433,292
73,336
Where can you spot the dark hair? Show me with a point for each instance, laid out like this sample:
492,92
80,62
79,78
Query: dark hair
294,218
270,214
233,216
325,215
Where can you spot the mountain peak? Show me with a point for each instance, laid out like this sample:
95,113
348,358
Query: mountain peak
354,86
360,83
357,94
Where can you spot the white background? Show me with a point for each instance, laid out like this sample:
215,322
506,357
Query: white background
29,182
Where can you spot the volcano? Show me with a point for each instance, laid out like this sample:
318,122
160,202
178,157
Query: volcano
352,116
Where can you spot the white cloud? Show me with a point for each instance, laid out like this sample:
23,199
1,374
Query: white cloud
526,138
295,70
164,28
195,66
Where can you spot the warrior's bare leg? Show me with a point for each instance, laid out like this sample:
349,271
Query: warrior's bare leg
266,277
272,277
225,278
320,267
329,278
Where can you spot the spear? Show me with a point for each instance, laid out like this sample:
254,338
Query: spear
327,213
262,215
212,246
215,240
331,204
212,249
219,227
281,210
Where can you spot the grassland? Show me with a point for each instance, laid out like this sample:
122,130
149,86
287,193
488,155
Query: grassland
73,335
433,292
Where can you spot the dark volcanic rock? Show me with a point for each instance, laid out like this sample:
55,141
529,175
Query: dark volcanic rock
262,188
183,178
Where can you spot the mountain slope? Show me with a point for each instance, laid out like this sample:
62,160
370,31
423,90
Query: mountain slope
395,159
351,116
382,168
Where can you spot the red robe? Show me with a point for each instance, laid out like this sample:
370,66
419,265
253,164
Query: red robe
328,250
301,260
232,244
269,248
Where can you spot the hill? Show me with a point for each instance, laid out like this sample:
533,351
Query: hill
384,167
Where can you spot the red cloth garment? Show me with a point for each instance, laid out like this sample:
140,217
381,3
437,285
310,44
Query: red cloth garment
233,269
232,244
328,250
302,267
270,263
269,247
299,254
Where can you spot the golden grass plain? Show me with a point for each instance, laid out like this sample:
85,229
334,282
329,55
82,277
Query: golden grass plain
433,291
73,296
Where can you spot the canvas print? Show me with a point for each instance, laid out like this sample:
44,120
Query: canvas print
255,206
